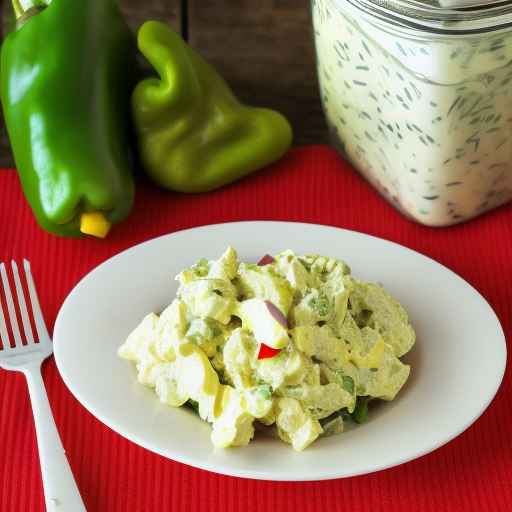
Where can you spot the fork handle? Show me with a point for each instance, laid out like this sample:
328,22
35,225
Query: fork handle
60,490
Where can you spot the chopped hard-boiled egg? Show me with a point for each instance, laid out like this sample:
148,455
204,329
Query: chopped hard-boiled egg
258,318
265,283
294,425
233,426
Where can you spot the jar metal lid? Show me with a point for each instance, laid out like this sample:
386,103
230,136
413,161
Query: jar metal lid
439,16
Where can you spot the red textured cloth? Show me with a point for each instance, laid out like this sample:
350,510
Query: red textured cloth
311,184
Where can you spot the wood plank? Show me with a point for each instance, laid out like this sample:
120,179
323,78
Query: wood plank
137,12
265,51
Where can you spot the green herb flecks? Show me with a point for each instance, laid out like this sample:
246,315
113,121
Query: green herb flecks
348,384
201,268
320,304
265,391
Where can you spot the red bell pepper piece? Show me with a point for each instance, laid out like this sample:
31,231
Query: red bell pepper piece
267,352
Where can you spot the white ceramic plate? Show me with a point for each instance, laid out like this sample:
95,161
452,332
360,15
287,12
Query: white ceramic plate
457,364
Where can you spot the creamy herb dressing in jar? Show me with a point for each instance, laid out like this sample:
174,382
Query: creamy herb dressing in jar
419,99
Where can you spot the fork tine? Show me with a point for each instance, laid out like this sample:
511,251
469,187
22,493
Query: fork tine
42,332
22,304
10,307
4,336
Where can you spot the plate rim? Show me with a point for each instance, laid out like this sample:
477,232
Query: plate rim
203,464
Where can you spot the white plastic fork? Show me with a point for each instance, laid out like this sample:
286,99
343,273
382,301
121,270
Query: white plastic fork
60,489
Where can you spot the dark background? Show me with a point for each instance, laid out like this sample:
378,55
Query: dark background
263,48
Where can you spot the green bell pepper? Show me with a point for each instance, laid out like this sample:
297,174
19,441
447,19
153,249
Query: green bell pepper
194,135
67,73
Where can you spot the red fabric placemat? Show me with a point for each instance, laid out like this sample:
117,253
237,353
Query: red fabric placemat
311,184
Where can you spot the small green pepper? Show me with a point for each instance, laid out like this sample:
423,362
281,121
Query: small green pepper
194,135
67,73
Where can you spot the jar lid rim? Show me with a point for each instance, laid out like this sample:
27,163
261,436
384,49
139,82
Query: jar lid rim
442,16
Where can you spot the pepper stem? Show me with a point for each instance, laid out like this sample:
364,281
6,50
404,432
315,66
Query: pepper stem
18,9
26,8
95,224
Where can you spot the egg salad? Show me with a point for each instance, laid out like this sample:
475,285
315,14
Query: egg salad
294,345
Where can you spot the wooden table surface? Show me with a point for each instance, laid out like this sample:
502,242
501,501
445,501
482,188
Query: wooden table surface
263,48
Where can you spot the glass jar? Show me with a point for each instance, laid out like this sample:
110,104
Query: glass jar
418,97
